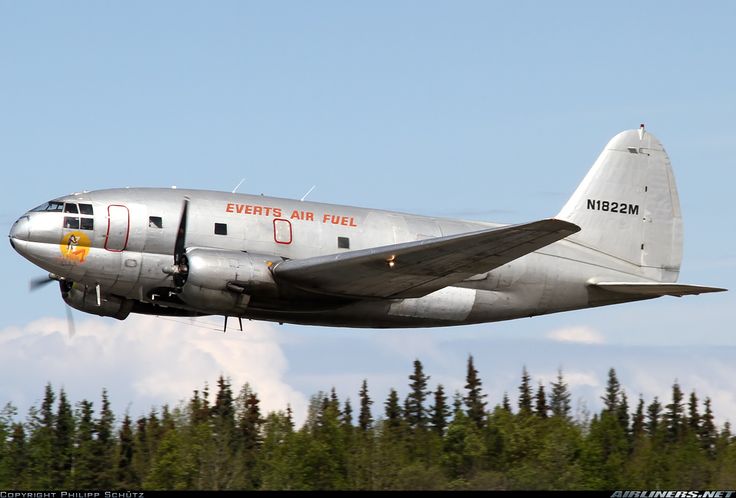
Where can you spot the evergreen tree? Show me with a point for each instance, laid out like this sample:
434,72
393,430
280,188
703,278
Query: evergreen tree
414,412
289,416
693,419
199,410
104,445
393,410
457,403
223,410
613,392
474,398
63,441
439,411
17,460
506,403
637,425
365,419
622,412
335,401
347,414
41,442
525,394
141,452
654,411
125,473
708,433
85,458
559,402
541,402
674,415
250,424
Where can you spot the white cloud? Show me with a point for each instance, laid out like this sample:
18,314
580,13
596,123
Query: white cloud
580,334
144,361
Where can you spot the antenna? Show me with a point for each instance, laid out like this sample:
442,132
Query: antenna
308,192
238,185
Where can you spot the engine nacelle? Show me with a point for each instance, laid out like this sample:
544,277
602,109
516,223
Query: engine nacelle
85,299
223,282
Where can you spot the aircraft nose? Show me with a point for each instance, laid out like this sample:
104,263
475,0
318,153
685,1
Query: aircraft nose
20,231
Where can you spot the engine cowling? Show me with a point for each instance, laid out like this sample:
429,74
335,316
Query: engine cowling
85,299
222,282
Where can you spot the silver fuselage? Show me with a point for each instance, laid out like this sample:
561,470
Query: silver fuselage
130,246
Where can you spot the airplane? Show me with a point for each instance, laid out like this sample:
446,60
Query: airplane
177,252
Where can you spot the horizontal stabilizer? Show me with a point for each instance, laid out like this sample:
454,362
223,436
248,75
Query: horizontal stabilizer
417,268
655,289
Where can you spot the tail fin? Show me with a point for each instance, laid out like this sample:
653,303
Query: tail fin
628,208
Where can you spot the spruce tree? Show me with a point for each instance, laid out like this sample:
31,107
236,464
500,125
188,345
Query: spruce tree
18,459
622,412
476,407
439,411
674,415
223,410
347,414
637,423
541,402
393,410
414,412
63,441
613,392
142,451
525,394
104,447
708,432
654,411
85,458
560,398
41,444
125,474
249,423
693,418
506,403
365,419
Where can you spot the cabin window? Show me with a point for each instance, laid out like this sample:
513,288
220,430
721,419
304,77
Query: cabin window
220,228
87,223
155,222
70,208
343,243
71,222
282,231
86,209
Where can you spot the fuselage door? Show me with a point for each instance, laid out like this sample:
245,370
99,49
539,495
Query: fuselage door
118,228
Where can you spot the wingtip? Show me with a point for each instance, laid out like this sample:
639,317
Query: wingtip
566,225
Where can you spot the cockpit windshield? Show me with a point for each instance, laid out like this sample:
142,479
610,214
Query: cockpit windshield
52,206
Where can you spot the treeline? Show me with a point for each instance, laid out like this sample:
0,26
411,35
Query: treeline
426,441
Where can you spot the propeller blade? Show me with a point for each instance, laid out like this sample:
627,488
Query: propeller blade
70,320
38,282
181,234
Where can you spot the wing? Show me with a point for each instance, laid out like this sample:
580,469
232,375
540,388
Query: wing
414,269
656,289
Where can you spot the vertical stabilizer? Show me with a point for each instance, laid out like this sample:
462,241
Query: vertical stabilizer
628,208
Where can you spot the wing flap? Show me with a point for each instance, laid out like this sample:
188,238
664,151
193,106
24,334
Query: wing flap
414,269
655,289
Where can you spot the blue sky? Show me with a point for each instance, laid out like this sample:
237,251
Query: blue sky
480,110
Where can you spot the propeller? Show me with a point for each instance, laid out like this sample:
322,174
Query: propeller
180,260
38,282
70,320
